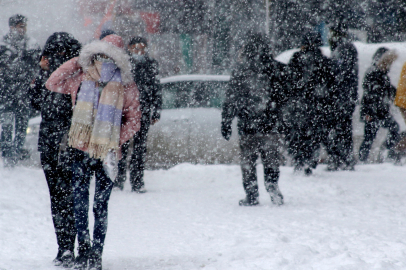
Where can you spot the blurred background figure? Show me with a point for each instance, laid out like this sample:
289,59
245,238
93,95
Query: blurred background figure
254,96
312,104
19,56
345,66
145,72
379,94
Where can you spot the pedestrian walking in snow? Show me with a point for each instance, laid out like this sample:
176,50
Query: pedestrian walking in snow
19,64
106,114
255,97
56,113
145,72
311,105
379,94
345,66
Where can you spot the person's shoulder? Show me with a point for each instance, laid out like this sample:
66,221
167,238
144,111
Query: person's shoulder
32,44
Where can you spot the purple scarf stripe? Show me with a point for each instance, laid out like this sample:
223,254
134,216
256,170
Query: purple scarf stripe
110,73
109,113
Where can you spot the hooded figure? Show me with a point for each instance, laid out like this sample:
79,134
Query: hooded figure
255,96
106,114
379,94
56,113
311,104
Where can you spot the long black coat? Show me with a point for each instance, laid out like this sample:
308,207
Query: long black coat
378,94
255,97
56,113
345,64
145,76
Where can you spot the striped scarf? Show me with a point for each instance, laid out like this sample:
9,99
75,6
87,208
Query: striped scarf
96,119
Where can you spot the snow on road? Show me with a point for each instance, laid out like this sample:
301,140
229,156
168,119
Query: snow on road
190,219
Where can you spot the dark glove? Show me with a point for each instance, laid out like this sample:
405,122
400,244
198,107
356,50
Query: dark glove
226,131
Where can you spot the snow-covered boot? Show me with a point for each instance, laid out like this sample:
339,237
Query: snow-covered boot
68,259
275,194
249,201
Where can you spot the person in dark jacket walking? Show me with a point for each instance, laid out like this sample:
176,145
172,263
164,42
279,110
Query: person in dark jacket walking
19,63
56,113
311,104
145,72
345,64
255,97
379,94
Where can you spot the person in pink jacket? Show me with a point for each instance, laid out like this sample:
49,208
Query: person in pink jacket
106,114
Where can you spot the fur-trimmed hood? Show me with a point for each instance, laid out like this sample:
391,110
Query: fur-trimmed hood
117,54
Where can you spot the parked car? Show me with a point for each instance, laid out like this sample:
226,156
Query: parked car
189,128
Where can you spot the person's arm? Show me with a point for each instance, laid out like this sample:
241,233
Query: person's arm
36,92
229,110
156,94
131,120
65,79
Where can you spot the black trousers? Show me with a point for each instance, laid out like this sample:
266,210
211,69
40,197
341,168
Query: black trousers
137,161
371,129
17,121
343,143
261,145
57,169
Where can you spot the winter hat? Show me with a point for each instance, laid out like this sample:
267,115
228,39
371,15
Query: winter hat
114,40
16,19
378,54
106,33
62,42
136,40
111,46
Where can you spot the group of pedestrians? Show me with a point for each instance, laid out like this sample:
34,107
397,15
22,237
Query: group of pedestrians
97,102
307,104
93,100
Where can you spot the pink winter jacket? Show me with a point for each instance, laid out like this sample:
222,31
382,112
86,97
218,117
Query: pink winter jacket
67,79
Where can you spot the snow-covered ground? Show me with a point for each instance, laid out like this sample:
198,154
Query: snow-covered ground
190,219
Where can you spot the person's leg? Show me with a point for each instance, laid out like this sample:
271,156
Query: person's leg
21,124
61,206
137,164
249,155
100,210
81,176
122,167
370,131
393,134
6,139
347,143
269,148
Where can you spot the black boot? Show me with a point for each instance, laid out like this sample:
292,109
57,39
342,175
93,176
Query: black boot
249,201
95,261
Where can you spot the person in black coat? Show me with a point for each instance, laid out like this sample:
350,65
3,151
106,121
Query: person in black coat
56,113
145,72
18,64
255,96
311,104
375,104
345,64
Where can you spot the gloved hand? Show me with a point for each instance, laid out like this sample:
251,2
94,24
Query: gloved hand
226,131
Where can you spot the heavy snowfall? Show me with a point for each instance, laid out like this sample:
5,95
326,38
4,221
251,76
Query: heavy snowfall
190,217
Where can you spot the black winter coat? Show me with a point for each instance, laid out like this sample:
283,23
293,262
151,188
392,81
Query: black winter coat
345,64
378,94
18,65
56,113
256,98
145,76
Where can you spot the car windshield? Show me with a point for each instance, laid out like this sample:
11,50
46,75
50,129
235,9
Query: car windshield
193,94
